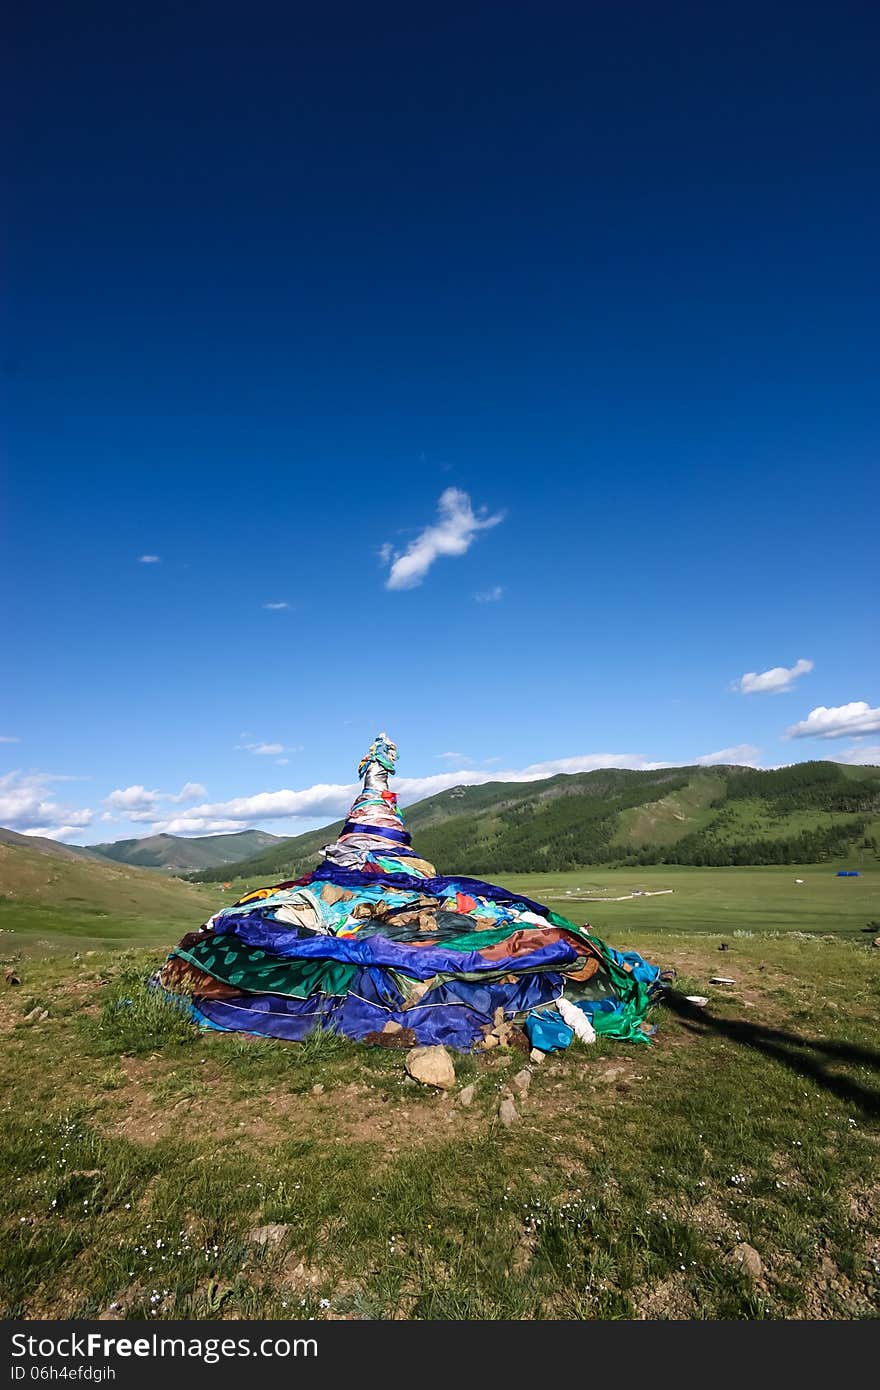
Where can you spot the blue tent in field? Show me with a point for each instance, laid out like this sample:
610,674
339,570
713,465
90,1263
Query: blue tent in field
848,873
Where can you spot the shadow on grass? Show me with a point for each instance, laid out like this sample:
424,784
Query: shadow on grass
808,1057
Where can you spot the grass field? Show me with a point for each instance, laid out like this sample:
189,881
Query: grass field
149,1171
713,900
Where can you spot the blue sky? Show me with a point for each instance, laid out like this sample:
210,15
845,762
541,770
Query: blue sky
505,377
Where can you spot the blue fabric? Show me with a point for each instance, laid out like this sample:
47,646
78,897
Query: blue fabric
353,827
641,970
419,962
547,1032
454,1014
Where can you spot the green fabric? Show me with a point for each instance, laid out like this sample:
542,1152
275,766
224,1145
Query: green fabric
625,1023
257,972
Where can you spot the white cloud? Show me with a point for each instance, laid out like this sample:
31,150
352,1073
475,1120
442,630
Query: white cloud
131,800
324,799
197,825
27,804
837,721
269,750
190,791
149,559
275,607
72,831
742,755
452,756
9,738
490,595
452,534
775,681
141,804
860,755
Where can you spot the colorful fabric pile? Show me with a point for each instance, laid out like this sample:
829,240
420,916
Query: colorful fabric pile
375,945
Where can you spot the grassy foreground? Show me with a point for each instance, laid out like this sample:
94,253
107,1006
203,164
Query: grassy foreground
151,1172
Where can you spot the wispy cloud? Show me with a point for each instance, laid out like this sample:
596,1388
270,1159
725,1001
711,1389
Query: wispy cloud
741,755
490,595
149,559
190,791
453,533
268,750
72,830
451,756
860,755
837,721
276,607
775,681
28,805
9,738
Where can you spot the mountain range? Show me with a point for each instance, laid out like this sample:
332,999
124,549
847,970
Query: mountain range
176,854
724,815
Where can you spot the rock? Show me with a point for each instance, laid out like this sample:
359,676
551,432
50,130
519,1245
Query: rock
270,1237
36,1015
536,1056
613,1072
507,1113
11,978
466,1095
521,1083
432,1066
876,941
297,1273
747,1257
318,1089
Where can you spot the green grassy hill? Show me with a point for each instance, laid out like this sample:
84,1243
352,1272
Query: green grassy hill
723,816
176,854
56,897
38,842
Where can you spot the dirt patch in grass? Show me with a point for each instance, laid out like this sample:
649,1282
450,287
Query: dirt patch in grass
668,1300
354,1112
